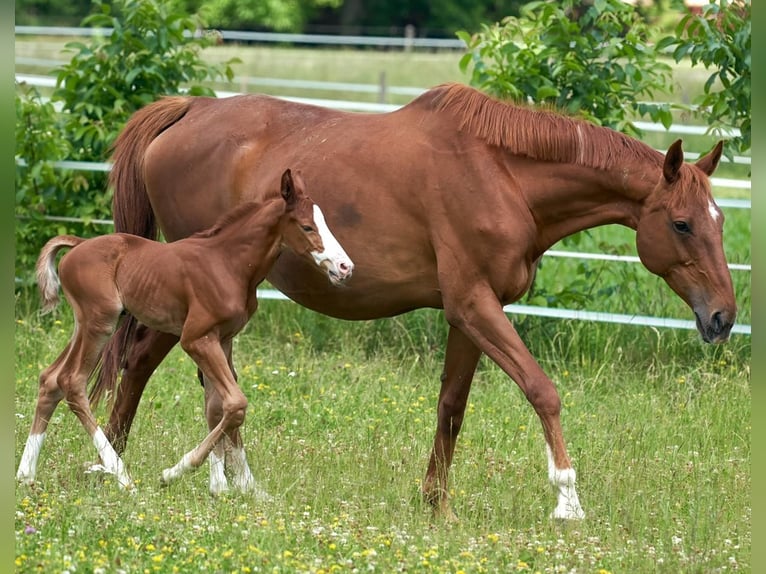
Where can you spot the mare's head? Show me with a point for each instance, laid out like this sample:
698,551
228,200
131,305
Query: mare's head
305,231
680,238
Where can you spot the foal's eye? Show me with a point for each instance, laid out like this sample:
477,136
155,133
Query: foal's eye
307,228
682,227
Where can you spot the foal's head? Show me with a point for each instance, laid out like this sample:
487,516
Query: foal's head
680,238
305,231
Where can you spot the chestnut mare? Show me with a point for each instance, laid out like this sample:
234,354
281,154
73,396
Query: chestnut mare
201,289
448,202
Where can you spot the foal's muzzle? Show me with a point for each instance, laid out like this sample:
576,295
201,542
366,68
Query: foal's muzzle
338,271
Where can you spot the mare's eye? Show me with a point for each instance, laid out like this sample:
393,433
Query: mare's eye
307,228
682,227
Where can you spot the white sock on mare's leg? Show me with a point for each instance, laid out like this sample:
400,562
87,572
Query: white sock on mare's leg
568,503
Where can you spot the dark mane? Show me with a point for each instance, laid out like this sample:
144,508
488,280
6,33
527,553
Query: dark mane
231,217
535,133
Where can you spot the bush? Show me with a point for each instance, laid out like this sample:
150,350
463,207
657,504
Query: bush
719,38
153,50
593,60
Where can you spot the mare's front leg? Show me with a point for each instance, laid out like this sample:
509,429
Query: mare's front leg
207,352
480,316
460,362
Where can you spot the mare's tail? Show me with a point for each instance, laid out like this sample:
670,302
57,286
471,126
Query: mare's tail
132,212
47,278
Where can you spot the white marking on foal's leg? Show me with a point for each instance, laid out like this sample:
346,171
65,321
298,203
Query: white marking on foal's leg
28,464
218,482
175,472
568,505
242,477
112,461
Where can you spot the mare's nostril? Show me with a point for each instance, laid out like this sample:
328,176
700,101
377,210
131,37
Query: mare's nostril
716,322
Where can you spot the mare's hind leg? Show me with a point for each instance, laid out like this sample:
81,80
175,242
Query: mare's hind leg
460,362
48,397
147,352
210,357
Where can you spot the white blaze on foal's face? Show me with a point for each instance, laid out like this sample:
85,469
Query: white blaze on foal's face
715,212
334,257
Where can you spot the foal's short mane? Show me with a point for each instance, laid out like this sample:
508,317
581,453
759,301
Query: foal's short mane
538,134
232,216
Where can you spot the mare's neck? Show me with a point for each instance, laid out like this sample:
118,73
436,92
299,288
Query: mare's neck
567,198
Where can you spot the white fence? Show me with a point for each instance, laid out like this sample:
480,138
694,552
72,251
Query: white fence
47,81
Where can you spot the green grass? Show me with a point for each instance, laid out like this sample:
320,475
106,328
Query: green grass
339,429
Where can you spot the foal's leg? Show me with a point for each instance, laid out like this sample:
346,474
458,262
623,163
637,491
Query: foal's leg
481,317
91,335
235,460
460,362
148,351
48,398
211,359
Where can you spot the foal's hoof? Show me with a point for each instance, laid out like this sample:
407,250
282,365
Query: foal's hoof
568,513
25,480
97,468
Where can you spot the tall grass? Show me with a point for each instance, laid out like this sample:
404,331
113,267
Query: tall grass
339,429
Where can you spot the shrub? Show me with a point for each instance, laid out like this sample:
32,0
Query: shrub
153,50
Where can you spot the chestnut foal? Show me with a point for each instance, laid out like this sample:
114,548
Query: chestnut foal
201,289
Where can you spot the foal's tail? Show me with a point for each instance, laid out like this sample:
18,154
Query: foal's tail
47,278
132,212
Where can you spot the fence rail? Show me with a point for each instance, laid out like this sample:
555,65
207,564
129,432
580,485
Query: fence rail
405,42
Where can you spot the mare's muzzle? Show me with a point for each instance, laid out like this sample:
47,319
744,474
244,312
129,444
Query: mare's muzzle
715,327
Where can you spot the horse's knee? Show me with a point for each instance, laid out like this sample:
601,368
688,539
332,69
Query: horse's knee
544,397
234,411
49,386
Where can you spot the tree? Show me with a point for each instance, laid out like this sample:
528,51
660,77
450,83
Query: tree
719,38
591,59
281,15
151,52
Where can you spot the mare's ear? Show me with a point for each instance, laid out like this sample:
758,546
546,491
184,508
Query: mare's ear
674,159
288,188
709,162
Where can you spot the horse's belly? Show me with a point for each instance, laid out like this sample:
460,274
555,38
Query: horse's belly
364,296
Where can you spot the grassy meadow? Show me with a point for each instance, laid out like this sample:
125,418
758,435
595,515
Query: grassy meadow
342,415
339,429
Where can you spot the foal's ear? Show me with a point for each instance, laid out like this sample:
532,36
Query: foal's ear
709,162
674,159
288,188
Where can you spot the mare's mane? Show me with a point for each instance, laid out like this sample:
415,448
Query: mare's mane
233,216
538,134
